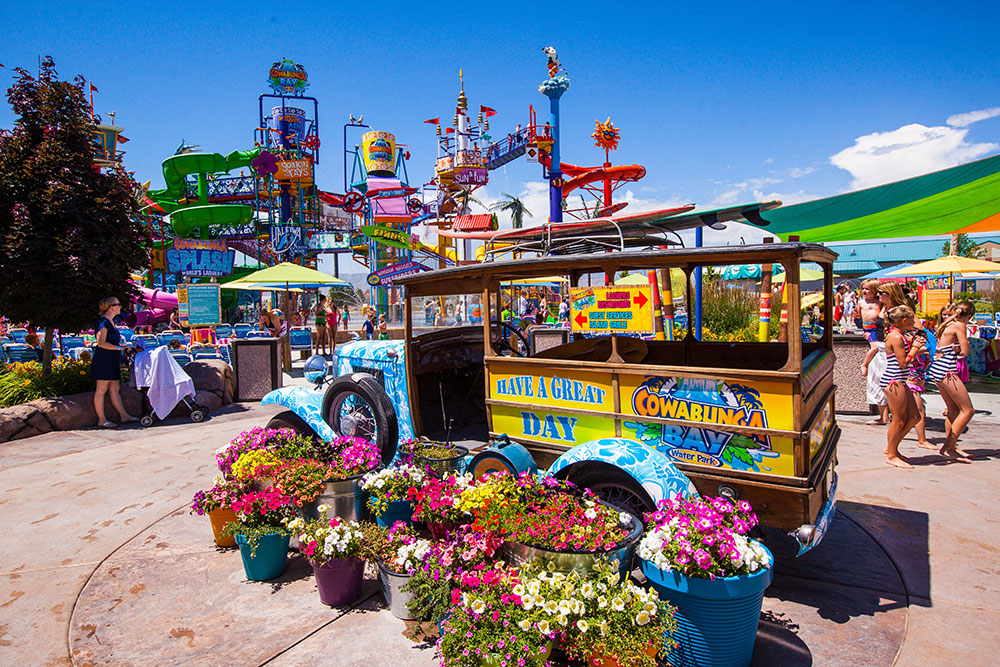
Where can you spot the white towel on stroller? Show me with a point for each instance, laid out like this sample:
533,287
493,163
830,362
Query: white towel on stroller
168,383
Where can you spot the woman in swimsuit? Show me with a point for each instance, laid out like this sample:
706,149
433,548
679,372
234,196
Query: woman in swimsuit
321,336
900,354
952,345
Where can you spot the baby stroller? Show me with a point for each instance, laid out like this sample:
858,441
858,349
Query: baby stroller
163,384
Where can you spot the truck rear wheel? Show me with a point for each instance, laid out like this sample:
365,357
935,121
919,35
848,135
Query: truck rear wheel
357,406
614,486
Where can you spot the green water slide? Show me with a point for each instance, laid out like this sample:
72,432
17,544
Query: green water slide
194,220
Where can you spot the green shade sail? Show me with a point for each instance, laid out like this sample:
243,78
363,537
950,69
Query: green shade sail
941,202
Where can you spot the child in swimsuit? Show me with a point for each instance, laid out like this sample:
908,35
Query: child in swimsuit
916,376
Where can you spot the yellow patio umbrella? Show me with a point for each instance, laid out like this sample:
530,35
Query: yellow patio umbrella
810,300
948,265
805,275
285,276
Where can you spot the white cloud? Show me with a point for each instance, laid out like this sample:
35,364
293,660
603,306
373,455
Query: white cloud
751,188
911,150
970,117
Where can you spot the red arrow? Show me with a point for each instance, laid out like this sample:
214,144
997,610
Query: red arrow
641,299
580,319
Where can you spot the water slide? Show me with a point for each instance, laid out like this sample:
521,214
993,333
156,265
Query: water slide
188,221
158,305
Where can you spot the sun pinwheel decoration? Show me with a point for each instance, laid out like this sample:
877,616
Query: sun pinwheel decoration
606,135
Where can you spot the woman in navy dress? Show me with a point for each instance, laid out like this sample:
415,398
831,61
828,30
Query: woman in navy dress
106,368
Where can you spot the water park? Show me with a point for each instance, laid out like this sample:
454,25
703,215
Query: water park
591,439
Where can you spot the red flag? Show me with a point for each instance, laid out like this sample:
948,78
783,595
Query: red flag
433,121
486,111
94,88
449,130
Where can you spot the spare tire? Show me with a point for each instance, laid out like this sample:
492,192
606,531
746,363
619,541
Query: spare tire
289,419
357,406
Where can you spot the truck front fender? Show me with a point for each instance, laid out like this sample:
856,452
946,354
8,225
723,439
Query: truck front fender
306,403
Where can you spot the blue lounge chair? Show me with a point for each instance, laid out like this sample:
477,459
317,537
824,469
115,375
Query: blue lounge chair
223,331
242,329
300,338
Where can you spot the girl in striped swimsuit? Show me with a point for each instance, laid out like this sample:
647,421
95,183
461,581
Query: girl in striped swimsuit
899,353
953,344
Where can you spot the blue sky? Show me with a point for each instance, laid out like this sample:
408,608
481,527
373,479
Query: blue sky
723,103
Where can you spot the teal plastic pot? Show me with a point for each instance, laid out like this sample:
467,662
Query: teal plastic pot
397,510
269,561
716,618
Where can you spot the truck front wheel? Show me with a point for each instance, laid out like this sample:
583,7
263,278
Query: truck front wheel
357,406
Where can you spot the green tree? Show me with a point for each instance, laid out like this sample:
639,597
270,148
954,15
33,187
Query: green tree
69,234
966,247
515,207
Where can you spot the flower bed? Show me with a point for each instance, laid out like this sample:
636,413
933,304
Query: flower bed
495,603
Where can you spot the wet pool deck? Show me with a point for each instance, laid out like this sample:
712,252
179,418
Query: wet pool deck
103,564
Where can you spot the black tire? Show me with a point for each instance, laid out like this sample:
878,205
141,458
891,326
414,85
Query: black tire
146,421
614,486
289,419
198,415
361,398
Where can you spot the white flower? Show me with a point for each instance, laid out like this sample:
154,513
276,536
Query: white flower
617,603
565,608
543,627
602,602
561,620
478,606
534,586
582,625
591,513
642,618
649,607
604,628
625,518
587,590
550,607
527,603
323,508
524,625
518,590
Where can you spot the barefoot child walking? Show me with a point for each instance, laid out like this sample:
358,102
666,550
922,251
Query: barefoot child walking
900,353
953,344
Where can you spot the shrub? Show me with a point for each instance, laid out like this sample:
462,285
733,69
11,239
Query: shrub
23,382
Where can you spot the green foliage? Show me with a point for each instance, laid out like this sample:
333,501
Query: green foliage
966,247
62,222
515,207
23,382
727,309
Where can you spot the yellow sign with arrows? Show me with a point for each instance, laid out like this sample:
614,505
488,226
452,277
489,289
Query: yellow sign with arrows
611,310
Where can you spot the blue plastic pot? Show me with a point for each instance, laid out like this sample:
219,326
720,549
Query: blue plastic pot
716,618
269,561
397,510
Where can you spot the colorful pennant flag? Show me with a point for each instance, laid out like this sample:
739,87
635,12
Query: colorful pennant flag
486,111
94,88
433,121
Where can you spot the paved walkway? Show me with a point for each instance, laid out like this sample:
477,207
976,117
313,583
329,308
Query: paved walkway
103,565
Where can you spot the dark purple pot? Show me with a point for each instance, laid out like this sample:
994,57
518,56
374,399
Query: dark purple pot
339,580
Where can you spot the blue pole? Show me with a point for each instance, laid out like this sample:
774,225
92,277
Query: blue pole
699,240
555,171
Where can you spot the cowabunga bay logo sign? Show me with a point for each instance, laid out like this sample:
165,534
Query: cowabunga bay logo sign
287,78
707,401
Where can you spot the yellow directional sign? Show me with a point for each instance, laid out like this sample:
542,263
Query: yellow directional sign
611,309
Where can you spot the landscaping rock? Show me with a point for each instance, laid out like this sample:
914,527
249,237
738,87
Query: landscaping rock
67,413
38,422
212,375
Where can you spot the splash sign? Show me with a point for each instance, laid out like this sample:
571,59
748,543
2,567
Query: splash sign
611,309
287,78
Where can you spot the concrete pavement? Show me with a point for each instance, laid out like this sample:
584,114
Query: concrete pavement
103,565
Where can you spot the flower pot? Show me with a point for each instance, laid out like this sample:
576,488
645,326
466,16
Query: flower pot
269,561
566,560
397,510
391,584
446,466
339,580
716,618
219,519
343,496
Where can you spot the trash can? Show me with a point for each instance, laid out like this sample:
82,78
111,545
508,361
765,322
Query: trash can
256,367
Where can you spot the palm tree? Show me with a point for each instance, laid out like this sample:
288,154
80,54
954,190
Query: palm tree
515,207
463,199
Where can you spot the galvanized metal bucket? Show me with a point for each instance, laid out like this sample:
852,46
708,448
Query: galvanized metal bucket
391,585
344,498
519,553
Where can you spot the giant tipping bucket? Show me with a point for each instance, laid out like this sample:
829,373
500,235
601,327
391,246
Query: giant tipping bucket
379,152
